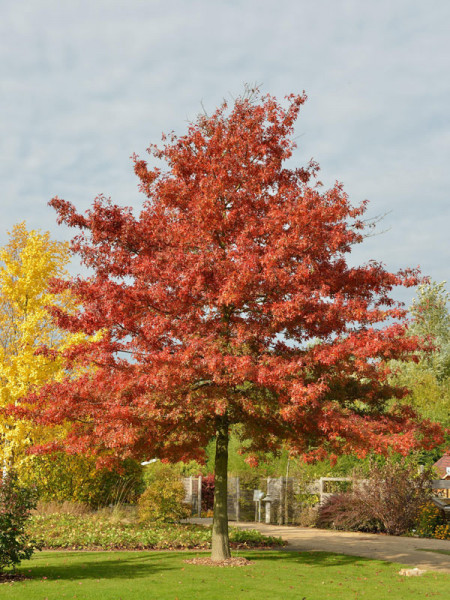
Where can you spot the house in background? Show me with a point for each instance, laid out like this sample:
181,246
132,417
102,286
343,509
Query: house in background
441,487
442,468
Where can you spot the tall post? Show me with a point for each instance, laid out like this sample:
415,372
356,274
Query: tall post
191,495
286,495
220,543
280,508
199,496
238,500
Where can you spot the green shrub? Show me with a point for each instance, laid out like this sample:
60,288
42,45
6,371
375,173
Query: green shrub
160,471
252,538
16,503
163,500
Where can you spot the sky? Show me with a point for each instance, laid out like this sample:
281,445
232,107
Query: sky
86,83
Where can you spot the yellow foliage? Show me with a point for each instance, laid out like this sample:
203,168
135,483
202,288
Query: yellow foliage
163,500
27,263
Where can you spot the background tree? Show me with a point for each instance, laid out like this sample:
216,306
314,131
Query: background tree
27,263
429,379
208,301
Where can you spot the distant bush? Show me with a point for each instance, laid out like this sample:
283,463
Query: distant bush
160,471
306,516
163,500
394,494
252,537
347,511
389,500
16,503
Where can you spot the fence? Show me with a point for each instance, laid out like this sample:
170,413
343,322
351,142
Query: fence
280,501
283,499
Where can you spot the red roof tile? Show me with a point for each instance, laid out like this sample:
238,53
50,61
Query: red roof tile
441,466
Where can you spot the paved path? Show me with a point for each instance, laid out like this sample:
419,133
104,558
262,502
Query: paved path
405,550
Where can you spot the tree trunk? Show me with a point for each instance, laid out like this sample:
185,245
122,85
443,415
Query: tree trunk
220,543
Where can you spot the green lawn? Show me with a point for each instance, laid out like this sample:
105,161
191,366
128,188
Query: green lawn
163,576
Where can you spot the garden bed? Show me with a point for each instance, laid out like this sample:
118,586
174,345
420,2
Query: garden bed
91,532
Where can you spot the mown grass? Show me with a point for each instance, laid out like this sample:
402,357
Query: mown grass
274,575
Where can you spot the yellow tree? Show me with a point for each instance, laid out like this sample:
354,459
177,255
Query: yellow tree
28,262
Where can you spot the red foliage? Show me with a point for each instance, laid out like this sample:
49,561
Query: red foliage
210,298
208,492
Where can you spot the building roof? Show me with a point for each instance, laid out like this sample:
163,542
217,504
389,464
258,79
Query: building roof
442,466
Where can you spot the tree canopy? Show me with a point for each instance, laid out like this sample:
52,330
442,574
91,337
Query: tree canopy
428,379
229,299
27,263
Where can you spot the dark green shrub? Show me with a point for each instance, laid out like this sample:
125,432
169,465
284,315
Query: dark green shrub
16,503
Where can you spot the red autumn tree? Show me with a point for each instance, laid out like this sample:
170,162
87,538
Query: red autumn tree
229,300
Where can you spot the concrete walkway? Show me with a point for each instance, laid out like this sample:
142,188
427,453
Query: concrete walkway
404,550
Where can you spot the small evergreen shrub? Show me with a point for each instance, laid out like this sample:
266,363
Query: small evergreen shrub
16,504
